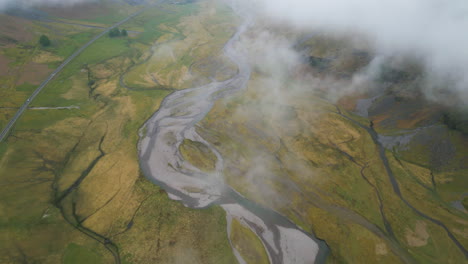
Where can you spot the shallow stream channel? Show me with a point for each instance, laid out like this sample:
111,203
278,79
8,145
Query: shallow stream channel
162,163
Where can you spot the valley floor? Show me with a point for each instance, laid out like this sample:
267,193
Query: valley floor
376,181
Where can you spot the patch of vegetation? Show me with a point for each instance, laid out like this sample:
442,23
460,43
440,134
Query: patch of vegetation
103,49
30,62
456,120
319,63
66,47
204,238
116,32
175,59
393,75
44,41
26,87
152,18
76,254
248,244
465,203
198,155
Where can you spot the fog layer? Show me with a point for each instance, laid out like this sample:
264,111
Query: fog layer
430,30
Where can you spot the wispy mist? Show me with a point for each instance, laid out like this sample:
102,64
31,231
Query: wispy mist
431,31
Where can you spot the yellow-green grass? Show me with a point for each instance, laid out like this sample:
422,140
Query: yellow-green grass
449,173
181,43
249,246
439,246
360,197
76,254
465,202
30,64
198,155
150,21
66,47
298,156
65,38
175,233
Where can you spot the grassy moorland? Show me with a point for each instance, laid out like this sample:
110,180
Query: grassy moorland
293,150
71,190
182,40
25,64
197,153
99,13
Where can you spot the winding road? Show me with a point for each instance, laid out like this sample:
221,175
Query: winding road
28,101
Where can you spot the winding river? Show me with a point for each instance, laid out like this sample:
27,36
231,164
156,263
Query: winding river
161,162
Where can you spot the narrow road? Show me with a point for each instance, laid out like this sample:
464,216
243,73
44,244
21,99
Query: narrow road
28,101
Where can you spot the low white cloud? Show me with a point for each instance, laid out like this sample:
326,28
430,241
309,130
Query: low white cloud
430,30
